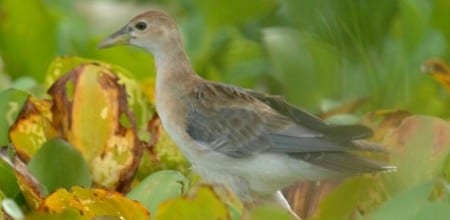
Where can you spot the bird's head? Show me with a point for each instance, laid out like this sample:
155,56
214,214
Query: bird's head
153,30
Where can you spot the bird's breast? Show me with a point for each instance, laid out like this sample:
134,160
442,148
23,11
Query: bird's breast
172,110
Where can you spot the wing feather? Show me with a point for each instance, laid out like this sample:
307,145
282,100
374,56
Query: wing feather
240,123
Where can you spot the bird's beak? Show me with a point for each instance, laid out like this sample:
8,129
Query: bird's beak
122,36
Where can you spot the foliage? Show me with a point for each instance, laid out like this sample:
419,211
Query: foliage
88,204
320,55
10,102
158,187
70,170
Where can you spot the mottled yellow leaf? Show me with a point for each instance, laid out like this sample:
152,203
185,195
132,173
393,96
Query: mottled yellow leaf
32,128
92,203
90,108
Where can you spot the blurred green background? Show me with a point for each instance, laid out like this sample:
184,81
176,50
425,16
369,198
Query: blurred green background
318,54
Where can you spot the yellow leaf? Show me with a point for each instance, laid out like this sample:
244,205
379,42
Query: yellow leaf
91,203
91,111
32,128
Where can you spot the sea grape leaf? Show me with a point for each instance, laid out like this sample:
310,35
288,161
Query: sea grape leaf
418,145
91,204
90,109
202,203
59,165
417,201
158,187
32,128
139,101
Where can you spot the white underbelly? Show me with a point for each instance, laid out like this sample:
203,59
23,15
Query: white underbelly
260,175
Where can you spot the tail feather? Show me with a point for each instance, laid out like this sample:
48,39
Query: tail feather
348,132
345,163
367,146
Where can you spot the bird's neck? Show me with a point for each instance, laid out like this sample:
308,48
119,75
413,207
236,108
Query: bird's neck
173,60
173,69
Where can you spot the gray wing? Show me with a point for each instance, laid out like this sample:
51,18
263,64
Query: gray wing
232,121
240,123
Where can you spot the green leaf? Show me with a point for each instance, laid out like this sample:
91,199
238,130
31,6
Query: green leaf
59,165
203,203
159,187
413,204
8,181
356,191
269,212
434,211
419,148
11,101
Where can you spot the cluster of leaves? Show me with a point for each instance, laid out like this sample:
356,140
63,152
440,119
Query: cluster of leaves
75,153
319,54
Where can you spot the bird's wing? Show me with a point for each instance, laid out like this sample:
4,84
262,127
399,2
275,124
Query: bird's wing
233,121
300,117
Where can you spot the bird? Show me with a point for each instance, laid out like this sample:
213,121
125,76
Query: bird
252,142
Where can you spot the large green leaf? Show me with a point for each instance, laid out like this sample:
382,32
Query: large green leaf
59,165
11,102
158,187
420,146
415,204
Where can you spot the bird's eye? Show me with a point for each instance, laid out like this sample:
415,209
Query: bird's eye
141,25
